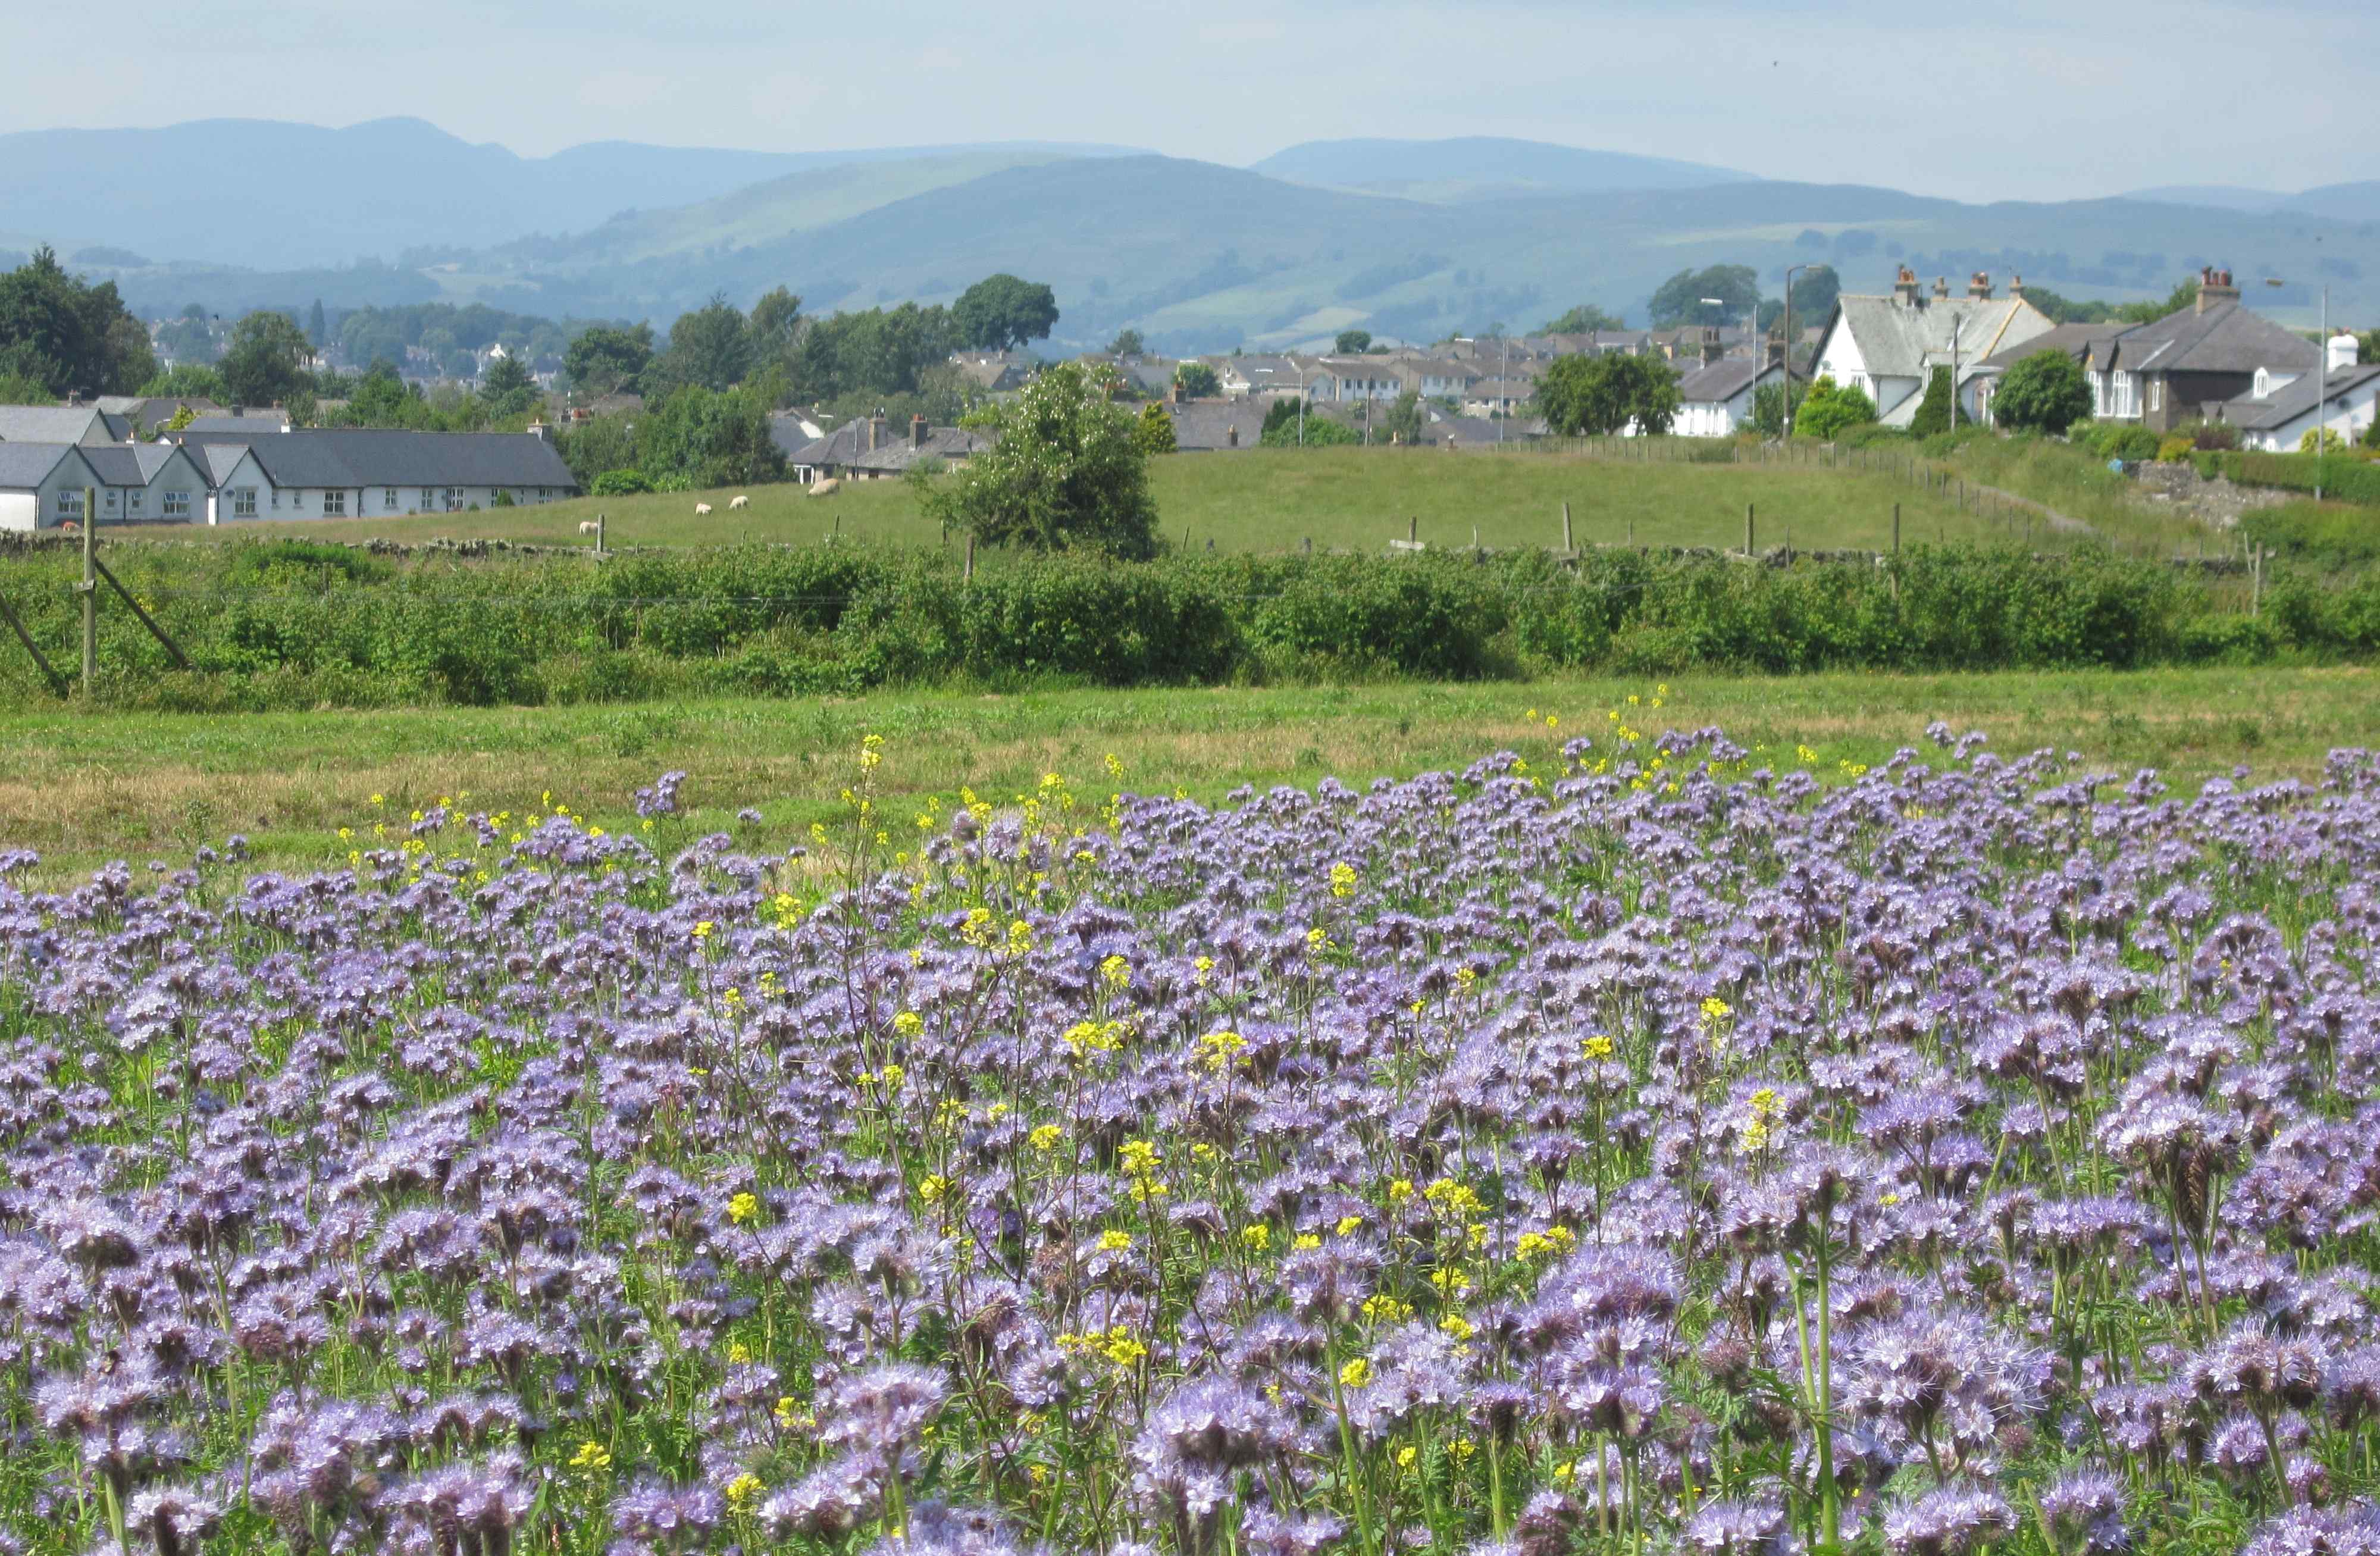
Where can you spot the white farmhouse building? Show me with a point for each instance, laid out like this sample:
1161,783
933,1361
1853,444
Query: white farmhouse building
1715,399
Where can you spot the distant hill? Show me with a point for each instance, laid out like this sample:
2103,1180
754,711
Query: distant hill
1201,257
2338,202
263,193
1479,167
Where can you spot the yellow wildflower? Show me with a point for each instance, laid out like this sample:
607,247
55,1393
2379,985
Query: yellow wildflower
1256,1237
744,1207
1356,1374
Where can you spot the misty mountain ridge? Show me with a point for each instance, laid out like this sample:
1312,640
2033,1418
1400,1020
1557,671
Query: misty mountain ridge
1198,256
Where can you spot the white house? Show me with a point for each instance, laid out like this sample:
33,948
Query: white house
1888,347
42,484
1715,400
147,483
357,473
1347,379
2281,409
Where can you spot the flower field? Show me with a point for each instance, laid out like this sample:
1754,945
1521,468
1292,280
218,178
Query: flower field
1650,1151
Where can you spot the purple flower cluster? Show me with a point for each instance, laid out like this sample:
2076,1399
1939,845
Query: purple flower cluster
1627,1148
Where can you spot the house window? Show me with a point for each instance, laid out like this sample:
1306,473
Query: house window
2156,393
276,500
134,500
335,504
176,505
69,502
112,495
243,501
388,499
2124,406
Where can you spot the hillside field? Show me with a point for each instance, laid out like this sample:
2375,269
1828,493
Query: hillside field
83,787
1274,500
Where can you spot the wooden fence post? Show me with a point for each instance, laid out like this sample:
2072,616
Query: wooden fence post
49,672
1747,529
90,590
1413,528
599,534
968,576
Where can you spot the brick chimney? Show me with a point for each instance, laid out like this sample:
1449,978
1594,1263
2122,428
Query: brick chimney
2015,284
1979,285
1710,347
875,434
916,432
1942,286
2215,286
1904,287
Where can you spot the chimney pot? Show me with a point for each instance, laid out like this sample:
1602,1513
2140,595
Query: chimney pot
1904,286
1979,285
1941,286
916,432
2015,284
2215,286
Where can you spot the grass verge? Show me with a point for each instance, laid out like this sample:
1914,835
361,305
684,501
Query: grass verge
85,787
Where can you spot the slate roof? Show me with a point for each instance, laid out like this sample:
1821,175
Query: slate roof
2076,340
2293,400
1722,380
1900,340
151,409
24,465
846,447
241,424
49,423
129,464
1204,426
2227,338
217,460
350,456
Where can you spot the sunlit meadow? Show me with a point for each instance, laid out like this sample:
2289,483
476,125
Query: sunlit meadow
1668,1149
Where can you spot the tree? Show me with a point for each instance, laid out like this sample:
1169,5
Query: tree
507,387
1603,394
1281,427
1405,420
2044,393
1769,407
776,318
2367,350
1829,409
700,436
318,329
2183,297
1586,319
1126,344
65,335
1197,381
1352,343
1153,433
1936,410
265,363
1679,298
1813,294
711,347
184,381
603,359
1001,313
1065,474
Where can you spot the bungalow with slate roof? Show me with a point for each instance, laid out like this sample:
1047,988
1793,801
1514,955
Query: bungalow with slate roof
42,484
1715,399
2276,417
1888,347
75,423
864,449
147,483
355,472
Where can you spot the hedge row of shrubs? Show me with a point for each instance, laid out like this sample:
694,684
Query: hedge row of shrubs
841,619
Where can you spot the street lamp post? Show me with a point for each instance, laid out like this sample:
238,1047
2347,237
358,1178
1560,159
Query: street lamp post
2321,385
1786,326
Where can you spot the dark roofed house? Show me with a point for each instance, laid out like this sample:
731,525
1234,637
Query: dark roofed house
147,483
69,423
41,484
1223,426
150,412
866,448
352,472
1715,399
2180,368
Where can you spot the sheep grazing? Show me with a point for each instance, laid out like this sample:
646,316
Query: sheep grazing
737,503
700,509
588,527
826,488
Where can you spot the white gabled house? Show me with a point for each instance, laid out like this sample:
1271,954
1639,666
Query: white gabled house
147,483
1715,399
1888,347
42,484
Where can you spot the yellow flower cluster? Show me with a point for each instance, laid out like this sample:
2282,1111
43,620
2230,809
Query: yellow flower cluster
1221,1050
743,1209
1342,880
1117,1345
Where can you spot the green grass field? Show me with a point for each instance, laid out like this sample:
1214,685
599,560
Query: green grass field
84,787
1277,499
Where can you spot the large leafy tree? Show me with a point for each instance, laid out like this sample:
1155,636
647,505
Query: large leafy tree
2044,393
1679,298
1002,311
1197,381
507,387
711,347
265,363
1352,343
879,352
1067,473
703,437
1602,395
605,359
64,335
1829,409
1586,319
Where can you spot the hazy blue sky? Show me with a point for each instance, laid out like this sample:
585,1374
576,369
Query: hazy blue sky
1996,98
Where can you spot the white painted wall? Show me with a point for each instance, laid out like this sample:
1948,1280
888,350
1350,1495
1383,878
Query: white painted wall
19,511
